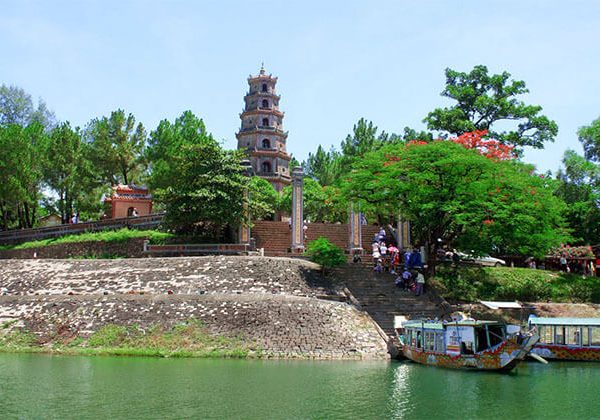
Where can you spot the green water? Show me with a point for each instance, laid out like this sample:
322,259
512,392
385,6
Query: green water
39,386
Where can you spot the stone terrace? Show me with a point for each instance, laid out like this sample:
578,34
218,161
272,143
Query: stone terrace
272,303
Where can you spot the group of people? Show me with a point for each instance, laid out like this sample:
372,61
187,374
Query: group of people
387,257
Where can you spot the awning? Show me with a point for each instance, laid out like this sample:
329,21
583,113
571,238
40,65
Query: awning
501,305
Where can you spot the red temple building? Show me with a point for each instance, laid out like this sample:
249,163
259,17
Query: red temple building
129,200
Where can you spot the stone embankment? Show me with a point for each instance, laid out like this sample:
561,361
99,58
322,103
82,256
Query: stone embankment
281,306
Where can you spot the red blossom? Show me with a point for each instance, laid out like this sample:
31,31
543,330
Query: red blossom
488,222
489,148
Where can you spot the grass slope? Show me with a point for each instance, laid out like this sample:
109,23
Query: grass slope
120,235
503,283
188,339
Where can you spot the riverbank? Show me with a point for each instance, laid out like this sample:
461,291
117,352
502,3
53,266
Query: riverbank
245,307
187,339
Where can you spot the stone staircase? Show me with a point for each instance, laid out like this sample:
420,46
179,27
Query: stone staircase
378,296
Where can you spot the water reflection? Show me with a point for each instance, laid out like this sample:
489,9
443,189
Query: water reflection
35,386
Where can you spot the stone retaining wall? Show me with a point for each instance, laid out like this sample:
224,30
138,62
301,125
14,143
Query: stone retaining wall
131,248
273,303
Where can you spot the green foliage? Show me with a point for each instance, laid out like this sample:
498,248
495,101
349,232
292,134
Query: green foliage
579,187
263,198
326,254
364,139
476,283
486,99
21,163
116,147
463,198
321,204
17,338
186,339
324,167
108,336
120,235
200,184
66,169
17,107
589,136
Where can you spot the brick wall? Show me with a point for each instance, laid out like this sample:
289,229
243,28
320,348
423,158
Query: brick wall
277,237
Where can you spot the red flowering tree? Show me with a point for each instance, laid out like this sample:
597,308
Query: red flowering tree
469,196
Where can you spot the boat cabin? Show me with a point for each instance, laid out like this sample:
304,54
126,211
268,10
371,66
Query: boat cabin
460,337
580,332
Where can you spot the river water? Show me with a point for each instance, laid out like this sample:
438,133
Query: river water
41,386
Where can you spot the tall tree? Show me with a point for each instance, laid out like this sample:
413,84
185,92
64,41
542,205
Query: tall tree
200,184
324,167
589,136
483,100
67,170
364,138
21,163
117,146
458,195
17,107
580,189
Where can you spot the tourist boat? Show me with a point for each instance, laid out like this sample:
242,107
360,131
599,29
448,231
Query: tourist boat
567,338
465,344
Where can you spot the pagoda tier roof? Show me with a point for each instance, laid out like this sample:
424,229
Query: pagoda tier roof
265,111
259,93
262,130
262,77
271,153
271,176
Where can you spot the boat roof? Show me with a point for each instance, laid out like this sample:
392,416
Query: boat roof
564,321
434,325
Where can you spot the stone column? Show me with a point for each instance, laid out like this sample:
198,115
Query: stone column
297,210
403,231
355,242
244,231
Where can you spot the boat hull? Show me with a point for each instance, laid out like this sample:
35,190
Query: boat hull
563,352
505,356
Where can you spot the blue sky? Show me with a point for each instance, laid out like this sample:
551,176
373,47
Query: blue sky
337,61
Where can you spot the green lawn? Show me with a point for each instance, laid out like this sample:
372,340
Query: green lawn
503,283
120,235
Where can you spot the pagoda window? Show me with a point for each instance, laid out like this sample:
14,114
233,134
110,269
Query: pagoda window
265,103
266,144
266,167
265,122
264,87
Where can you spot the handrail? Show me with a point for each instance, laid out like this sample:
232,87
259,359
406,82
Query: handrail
22,235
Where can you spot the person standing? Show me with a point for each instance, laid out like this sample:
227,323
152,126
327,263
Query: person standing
563,263
420,283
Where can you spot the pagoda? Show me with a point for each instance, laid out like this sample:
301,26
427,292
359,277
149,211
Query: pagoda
261,133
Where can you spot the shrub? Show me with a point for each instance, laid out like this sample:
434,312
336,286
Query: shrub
325,253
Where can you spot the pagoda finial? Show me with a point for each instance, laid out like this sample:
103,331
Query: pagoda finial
262,67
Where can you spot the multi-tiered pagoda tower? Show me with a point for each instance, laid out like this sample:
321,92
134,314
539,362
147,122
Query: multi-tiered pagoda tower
261,133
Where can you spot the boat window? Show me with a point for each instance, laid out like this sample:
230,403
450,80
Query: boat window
572,336
496,334
585,336
559,336
419,340
439,343
546,333
482,341
595,336
466,347
429,341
